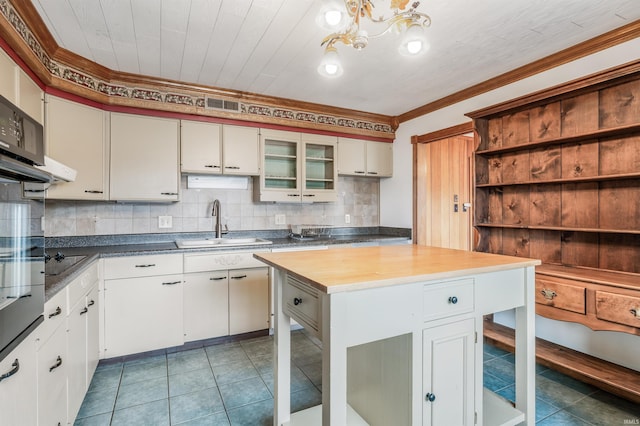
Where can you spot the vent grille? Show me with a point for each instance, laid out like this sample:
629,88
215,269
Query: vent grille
222,105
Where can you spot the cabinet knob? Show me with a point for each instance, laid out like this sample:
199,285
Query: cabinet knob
430,397
56,365
453,300
57,312
14,369
548,294
297,301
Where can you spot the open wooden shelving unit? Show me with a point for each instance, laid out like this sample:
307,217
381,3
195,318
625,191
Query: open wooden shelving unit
557,178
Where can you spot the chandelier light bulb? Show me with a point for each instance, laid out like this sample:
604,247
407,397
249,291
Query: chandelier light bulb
413,41
330,65
333,17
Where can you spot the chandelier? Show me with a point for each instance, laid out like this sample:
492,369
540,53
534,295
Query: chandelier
348,20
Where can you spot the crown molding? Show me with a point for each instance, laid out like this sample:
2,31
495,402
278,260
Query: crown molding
596,44
57,68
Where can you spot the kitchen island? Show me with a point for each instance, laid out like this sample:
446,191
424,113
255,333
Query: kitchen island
401,331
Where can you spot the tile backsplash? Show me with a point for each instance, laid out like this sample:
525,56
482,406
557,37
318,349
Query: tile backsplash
357,197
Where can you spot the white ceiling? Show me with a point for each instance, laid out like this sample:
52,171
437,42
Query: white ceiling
272,47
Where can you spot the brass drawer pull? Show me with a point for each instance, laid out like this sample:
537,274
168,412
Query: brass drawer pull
548,294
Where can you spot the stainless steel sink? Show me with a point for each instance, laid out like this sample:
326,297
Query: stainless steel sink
221,242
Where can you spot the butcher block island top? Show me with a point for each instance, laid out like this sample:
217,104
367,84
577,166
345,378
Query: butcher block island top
346,269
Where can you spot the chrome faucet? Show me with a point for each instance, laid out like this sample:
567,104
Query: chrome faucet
216,212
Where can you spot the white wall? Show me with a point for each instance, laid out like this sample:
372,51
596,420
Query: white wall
396,193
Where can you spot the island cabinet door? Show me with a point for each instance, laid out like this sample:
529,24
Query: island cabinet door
448,374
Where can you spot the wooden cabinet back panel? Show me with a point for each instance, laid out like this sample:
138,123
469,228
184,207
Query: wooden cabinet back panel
546,246
620,105
579,114
620,156
579,160
544,122
545,205
619,252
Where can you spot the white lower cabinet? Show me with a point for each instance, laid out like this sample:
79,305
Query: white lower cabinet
142,314
248,300
52,379
225,293
206,305
18,390
448,374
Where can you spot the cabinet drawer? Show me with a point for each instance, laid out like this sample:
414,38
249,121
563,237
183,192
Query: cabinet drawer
562,295
302,303
142,266
201,262
81,285
619,308
446,299
55,312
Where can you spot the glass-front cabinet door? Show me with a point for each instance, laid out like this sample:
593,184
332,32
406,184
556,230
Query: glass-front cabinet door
297,167
280,179
320,168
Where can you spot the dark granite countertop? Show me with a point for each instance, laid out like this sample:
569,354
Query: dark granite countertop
95,247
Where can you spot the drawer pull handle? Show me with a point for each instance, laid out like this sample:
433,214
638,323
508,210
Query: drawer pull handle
168,193
232,167
55,313
453,300
635,312
14,369
430,397
217,278
90,191
84,311
239,277
57,364
91,302
211,166
548,294
293,195
148,265
172,283
297,300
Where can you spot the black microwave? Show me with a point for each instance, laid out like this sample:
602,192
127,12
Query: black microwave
21,137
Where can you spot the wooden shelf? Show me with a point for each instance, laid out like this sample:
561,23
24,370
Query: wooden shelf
497,411
621,176
591,136
607,376
560,228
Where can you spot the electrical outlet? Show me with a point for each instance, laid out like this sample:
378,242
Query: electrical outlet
165,221
281,219
347,218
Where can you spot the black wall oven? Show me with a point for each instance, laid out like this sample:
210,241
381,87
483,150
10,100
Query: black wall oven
21,233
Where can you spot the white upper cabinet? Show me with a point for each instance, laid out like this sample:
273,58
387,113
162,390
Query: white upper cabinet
297,167
144,158
210,148
7,77
240,150
30,97
358,157
75,136
200,147
19,89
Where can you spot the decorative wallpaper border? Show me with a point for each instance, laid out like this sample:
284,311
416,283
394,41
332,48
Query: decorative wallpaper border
86,81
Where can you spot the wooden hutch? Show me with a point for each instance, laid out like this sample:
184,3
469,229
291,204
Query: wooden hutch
557,177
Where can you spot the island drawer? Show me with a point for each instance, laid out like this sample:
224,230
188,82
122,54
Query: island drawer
558,293
302,303
142,266
447,299
81,285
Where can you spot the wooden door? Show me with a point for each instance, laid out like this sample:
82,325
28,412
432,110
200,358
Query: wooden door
442,193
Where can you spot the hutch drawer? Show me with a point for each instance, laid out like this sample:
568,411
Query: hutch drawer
558,293
618,308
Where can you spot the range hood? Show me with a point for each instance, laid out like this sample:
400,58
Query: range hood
59,171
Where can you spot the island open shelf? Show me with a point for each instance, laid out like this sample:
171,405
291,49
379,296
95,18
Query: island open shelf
401,332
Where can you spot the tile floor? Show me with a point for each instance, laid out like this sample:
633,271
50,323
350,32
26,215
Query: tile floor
232,384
